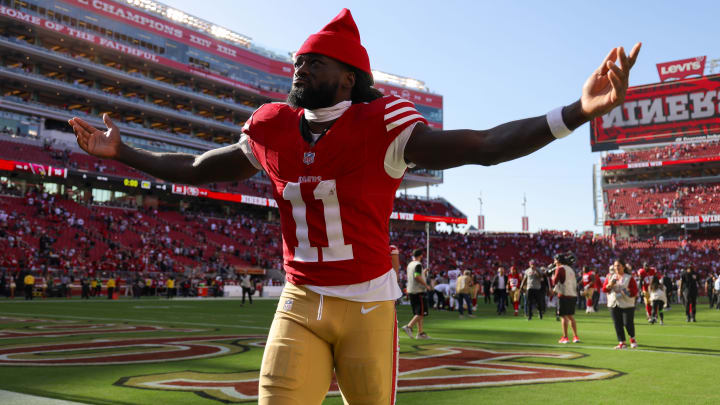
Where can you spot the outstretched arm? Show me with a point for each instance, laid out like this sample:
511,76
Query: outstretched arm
603,90
222,164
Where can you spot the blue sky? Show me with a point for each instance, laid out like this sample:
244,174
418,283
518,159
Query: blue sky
495,62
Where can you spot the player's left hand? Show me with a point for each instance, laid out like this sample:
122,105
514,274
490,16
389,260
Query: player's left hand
607,85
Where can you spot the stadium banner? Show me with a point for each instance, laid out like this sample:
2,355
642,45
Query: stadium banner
34,168
62,29
417,97
657,163
680,69
665,112
159,26
680,220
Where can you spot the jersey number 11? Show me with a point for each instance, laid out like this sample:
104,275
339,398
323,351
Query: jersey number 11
325,191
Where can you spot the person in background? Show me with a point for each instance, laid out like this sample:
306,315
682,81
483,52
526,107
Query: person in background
452,282
464,288
29,281
658,298
667,281
476,289
645,275
487,283
532,281
84,288
246,284
441,290
110,287
514,282
498,288
689,289
565,286
417,286
65,286
171,290
622,290
709,289
588,283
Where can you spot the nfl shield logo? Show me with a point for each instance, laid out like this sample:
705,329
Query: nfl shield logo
309,158
288,305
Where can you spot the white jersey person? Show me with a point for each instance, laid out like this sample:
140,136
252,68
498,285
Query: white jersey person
452,282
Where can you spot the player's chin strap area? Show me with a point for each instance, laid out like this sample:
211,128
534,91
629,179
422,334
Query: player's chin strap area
328,113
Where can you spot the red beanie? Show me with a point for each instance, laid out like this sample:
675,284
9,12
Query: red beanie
340,40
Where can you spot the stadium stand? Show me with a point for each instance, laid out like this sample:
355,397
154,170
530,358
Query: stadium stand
667,152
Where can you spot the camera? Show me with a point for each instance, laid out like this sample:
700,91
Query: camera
567,258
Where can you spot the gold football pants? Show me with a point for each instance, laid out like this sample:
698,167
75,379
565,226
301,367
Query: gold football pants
313,335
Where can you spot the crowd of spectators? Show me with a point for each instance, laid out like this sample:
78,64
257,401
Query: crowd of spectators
51,235
436,206
665,153
484,253
43,233
662,201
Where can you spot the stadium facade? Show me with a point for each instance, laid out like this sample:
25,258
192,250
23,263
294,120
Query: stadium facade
171,81
659,175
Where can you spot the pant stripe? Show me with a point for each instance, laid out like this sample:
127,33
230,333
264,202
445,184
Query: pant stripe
320,308
396,350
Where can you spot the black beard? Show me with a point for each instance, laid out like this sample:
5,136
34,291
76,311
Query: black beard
312,98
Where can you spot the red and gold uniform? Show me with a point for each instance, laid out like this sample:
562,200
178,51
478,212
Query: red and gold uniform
514,280
335,197
646,275
589,283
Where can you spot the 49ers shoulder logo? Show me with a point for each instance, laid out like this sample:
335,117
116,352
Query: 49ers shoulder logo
427,367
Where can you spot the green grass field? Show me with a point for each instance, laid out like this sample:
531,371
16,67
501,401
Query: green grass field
154,351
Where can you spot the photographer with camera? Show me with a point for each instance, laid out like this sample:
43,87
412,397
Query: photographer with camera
564,283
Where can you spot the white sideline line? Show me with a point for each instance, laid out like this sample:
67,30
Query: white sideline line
16,398
137,320
570,346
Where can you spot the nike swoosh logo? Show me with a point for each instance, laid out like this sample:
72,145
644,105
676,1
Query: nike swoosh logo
364,311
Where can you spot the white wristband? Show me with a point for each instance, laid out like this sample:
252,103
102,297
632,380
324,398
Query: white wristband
556,123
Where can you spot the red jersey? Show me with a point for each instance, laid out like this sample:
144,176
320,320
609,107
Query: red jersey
335,197
513,280
646,276
589,280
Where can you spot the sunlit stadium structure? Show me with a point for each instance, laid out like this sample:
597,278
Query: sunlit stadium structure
172,82
664,180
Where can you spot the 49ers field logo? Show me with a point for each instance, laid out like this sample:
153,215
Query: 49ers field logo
427,367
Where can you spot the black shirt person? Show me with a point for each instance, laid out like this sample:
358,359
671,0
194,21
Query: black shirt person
689,291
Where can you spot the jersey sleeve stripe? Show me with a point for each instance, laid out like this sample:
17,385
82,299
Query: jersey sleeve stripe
399,111
398,101
414,117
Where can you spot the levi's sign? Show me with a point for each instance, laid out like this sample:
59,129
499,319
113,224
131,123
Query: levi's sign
664,112
680,69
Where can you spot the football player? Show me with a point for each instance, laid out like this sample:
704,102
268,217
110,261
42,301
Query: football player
645,275
589,282
335,154
452,282
514,283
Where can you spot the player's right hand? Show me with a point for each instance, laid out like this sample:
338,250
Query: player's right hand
94,141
